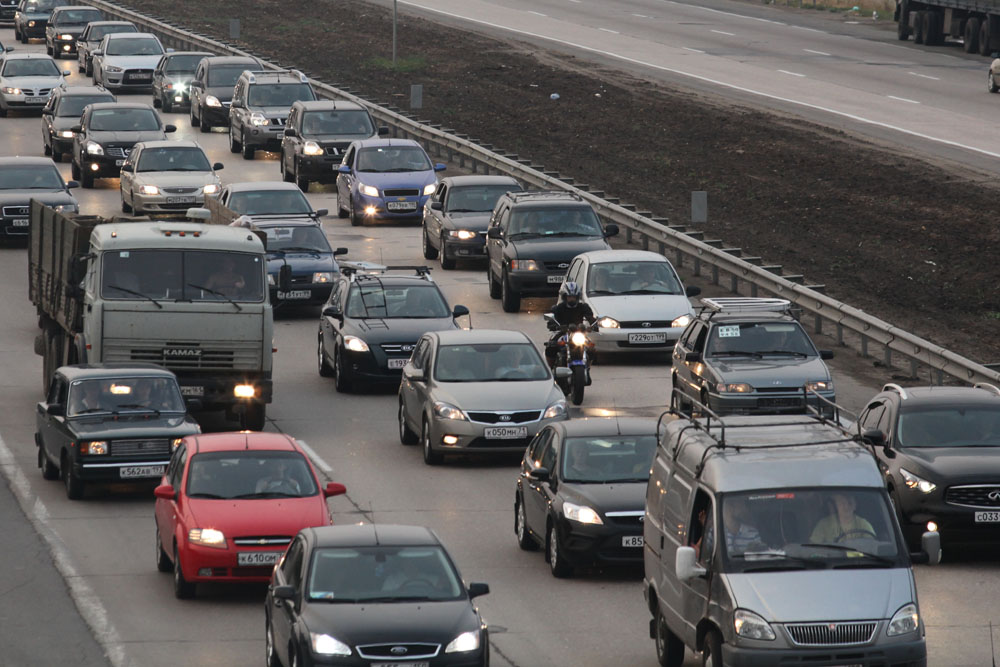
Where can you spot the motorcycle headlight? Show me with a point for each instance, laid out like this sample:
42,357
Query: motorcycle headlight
207,537
608,323
524,265
578,338
444,410
917,483
369,190
462,234
94,447
557,409
327,645
270,279
734,388
355,344
582,514
67,208
212,101
258,119
429,189
820,385
211,189
112,68
681,321
149,190
322,277
750,625
66,134
94,148
312,148
907,619
11,91
467,641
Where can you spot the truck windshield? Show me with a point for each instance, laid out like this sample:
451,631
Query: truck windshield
815,528
124,394
182,275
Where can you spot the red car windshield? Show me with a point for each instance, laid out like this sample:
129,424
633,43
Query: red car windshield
250,475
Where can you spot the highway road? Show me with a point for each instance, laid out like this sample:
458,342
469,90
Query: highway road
597,618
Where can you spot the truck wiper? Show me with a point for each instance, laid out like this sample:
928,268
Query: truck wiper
841,547
217,293
134,293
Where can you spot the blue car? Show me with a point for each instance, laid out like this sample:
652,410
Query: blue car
385,179
303,248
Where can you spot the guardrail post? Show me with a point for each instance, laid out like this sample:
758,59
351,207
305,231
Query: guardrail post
864,346
840,333
753,290
699,206
913,368
734,284
939,377
715,275
818,324
888,357
697,266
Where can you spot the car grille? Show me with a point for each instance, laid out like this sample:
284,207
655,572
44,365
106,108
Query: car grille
117,151
278,121
973,495
335,149
632,518
15,211
262,541
401,193
36,92
156,447
504,417
414,651
557,266
398,348
779,390
180,191
832,634
644,324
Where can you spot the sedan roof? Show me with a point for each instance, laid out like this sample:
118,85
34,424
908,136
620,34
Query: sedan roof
602,256
480,336
370,535
256,441
258,186
606,426
106,370
463,181
25,161
382,143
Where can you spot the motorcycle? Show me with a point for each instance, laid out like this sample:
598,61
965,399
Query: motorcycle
573,348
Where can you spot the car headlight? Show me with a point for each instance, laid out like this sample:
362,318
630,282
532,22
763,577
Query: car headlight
444,410
467,641
327,645
212,101
608,323
211,189
94,148
578,338
429,189
112,68
270,279
322,277
94,447
914,482
557,409
258,119
11,91
65,37
207,537
66,134
176,442
31,24
907,619
355,344
312,148
524,265
819,385
462,234
734,388
177,87
67,208
752,626
149,190
369,190
582,514
681,321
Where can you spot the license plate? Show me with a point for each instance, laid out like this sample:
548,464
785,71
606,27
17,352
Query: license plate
632,541
20,222
397,363
119,163
646,338
401,205
180,200
557,279
192,391
257,557
139,77
987,517
779,402
35,100
295,294
505,432
133,472
400,664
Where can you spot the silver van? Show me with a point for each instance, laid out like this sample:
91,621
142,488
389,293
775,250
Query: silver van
771,540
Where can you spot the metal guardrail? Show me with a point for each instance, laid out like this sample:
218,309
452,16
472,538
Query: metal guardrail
862,328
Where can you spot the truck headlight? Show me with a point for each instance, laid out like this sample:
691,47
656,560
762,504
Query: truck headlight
582,514
557,409
322,277
918,483
429,189
211,189
819,385
462,234
94,148
681,321
207,537
467,641
907,619
244,391
355,344
369,190
259,119
444,410
212,101
608,323
524,265
149,190
176,442
734,388
750,625
66,134
112,68
327,645
94,447
312,148
31,24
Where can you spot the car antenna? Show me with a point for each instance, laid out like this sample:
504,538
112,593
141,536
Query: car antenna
371,513
618,424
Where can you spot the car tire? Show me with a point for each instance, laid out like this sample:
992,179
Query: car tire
3,112
342,381
48,49
248,151
356,219
302,182
711,650
56,156
447,263
183,589
509,299
559,566
157,102
24,38
86,179
495,289
270,655
74,170
406,435
341,211
46,148
255,416
324,368
74,485
524,539
918,27
195,121
126,208
431,457
49,471
89,69
163,563
204,126
167,105
669,647
234,146
430,252
80,67
286,176
991,82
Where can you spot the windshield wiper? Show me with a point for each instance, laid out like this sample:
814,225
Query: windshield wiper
734,353
395,598
602,292
89,411
841,547
142,408
217,293
467,210
573,234
266,494
210,496
526,235
648,291
293,248
771,565
134,293
784,352
397,170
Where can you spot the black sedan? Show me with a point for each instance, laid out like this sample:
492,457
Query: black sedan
172,78
312,268
372,322
62,112
372,595
581,493
23,179
109,423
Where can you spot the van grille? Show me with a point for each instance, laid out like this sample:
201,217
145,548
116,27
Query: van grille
832,634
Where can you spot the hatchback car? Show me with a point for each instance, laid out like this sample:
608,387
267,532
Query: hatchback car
264,200
23,179
231,503
372,595
312,265
62,112
385,179
64,26
211,89
31,18
581,493
27,80
457,214
166,176
90,39
637,296
260,106
940,454
126,61
476,391
372,321
172,77
746,356
109,423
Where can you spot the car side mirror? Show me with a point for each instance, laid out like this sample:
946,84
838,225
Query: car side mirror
539,474
440,166
170,128
340,251
283,592
170,49
693,357
476,589
165,492
826,354
334,489
195,84
66,72
930,547
610,230
71,185
290,132
77,128
11,48
437,206
344,169
218,166
56,410
563,373
98,52
321,212
192,404
383,132
459,311
333,311
493,233
692,290
128,168
285,277
875,437
413,374
686,564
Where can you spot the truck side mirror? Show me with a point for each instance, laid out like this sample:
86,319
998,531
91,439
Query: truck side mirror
78,268
686,565
285,277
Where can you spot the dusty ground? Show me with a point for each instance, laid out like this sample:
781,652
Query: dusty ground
884,232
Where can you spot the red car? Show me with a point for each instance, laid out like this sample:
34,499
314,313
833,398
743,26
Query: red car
230,503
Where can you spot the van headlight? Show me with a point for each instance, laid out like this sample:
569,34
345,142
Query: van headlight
906,620
582,514
467,641
750,625
917,483
312,148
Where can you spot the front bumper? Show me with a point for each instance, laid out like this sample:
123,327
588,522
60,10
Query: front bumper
372,367
166,203
116,81
956,524
63,47
537,283
636,340
388,208
113,469
319,168
217,392
200,563
903,654
214,116
24,102
263,137
765,404
107,167
586,544
35,31
61,144
471,249
471,436
469,659
308,294
14,221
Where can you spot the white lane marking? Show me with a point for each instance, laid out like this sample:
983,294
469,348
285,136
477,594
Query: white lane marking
902,99
688,48
87,602
640,16
723,32
576,1
809,29
925,76
536,13
705,79
316,458
818,53
785,71
739,16
609,30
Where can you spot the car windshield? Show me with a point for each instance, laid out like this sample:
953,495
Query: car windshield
124,120
351,122
375,300
124,394
279,94
72,105
134,46
797,529
616,278
269,202
606,459
382,574
489,362
182,275
250,475
552,221
97,33
226,75
173,159
30,177
77,17
299,237
393,158
476,198
15,67
40,6
951,426
760,339
185,63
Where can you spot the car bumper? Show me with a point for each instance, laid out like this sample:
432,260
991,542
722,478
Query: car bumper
61,144
201,564
908,654
106,167
168,203
214,116
473,249
23,102
264,137
756,404
177,98
319,168
64,47
14,225
538,283
115,81
310,294
35,31
470,659
101,469
471,436
585,544
379,208
372,367
636,340
956,524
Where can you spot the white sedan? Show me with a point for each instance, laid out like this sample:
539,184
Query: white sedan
126,60
27,80
167,176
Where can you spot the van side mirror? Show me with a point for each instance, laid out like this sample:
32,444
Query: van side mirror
476,589
334,489
686,566
692,290
930,549
56,410
610,230
826,354
285,277
77,128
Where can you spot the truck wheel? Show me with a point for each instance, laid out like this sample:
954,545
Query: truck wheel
324,368
711,652
49,471
430,252
248,151
985,48
509,299
74,485
669,647
932,28
918,27
971,35
256,416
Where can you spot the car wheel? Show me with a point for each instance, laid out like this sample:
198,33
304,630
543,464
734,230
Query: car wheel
560,566
357,220
89,69
341,211
430,252
711,651
270,657
24,38
74,485
524,539
406,435
431,457
163,563
495,290
3,112
86,179
195,122
204,125
447,263
80,68
248,151
302,182
341,376
509,299
324,367
48,49
183,589
56,156
234,146
167,104
157,102
46,148
49,471
286,176
74,171
126,207
991,82
669,647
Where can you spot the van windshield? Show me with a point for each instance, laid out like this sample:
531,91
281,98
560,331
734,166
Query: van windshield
796,529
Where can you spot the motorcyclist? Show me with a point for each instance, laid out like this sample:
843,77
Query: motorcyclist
569,310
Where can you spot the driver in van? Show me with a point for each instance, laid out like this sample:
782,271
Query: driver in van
842,523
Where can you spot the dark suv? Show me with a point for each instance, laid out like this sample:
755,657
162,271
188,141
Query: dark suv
31,18
105,137
940,458
261,102
211,89
532,238
65,25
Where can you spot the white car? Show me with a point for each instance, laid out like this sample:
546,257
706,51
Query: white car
126,60
637,297
27,80
167,176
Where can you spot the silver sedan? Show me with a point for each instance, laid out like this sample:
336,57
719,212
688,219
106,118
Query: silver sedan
165,176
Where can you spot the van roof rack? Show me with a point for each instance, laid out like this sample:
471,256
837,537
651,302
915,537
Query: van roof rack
741,304
543,194
986,386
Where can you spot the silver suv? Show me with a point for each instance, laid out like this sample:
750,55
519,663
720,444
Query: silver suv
260,108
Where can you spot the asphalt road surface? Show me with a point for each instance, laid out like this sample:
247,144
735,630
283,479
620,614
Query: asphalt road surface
596,618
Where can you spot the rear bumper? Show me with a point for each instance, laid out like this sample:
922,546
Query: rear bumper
538,283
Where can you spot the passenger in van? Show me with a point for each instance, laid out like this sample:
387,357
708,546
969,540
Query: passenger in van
740,533
842,523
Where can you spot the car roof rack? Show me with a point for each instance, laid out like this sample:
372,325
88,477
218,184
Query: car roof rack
992,388
742,304
252,74
544,194
892,386
360,270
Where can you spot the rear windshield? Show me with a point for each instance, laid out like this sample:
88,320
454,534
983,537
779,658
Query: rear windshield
279,94
185,64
